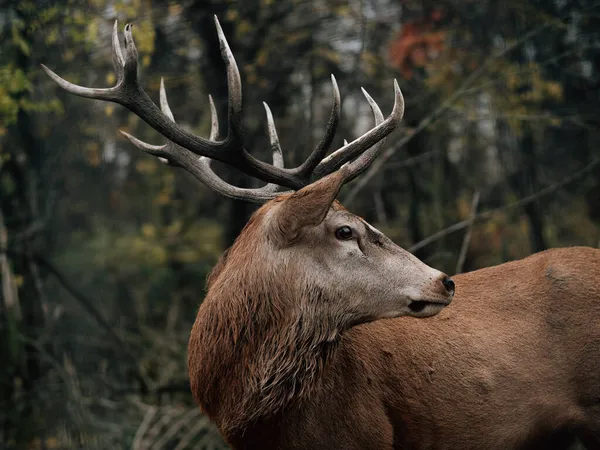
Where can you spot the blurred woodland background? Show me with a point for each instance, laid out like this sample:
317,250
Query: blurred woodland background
104,251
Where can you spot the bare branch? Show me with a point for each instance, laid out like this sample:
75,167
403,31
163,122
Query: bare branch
182,421
489,214
143,428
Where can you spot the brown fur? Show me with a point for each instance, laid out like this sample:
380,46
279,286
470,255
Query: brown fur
513,363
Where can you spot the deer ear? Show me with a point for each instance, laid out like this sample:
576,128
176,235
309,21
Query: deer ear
308,206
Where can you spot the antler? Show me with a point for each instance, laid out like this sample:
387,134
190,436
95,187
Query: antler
195,154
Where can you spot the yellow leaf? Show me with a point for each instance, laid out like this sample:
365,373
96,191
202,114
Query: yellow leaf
231,15
163,198
554,90
52,36
92,31
148,230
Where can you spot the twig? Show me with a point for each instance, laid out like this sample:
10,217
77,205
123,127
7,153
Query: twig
180,423
201,424
35,228
413,160
408,162
467,239
139,434
151,434
489,214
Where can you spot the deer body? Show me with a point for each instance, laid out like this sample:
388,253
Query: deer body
514,363
300,344
516,356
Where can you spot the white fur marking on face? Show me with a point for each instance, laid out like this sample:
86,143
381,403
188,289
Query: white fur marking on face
413,293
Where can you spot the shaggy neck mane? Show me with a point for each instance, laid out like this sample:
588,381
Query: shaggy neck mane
253,351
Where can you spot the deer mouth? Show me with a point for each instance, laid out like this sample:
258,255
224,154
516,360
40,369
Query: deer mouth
425,308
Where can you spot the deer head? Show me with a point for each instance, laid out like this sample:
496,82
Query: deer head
345,268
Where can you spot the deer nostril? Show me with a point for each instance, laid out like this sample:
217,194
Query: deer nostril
449,285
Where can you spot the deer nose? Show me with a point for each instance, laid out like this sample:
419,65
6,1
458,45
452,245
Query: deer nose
448,285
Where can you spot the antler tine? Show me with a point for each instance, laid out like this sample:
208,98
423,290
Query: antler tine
165,152
164,103
131,57
362,163
257,195
200,167
108,94
234,88
214,120
275,148
234,85
161,151
117,55
348,152
378,119
319,152
273,138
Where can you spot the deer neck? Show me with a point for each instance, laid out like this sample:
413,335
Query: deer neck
276,352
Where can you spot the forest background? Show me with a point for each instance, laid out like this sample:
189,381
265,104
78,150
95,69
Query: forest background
104,251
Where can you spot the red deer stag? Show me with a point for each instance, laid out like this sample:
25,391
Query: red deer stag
289,349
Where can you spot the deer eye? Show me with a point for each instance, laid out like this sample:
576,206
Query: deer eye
344,233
